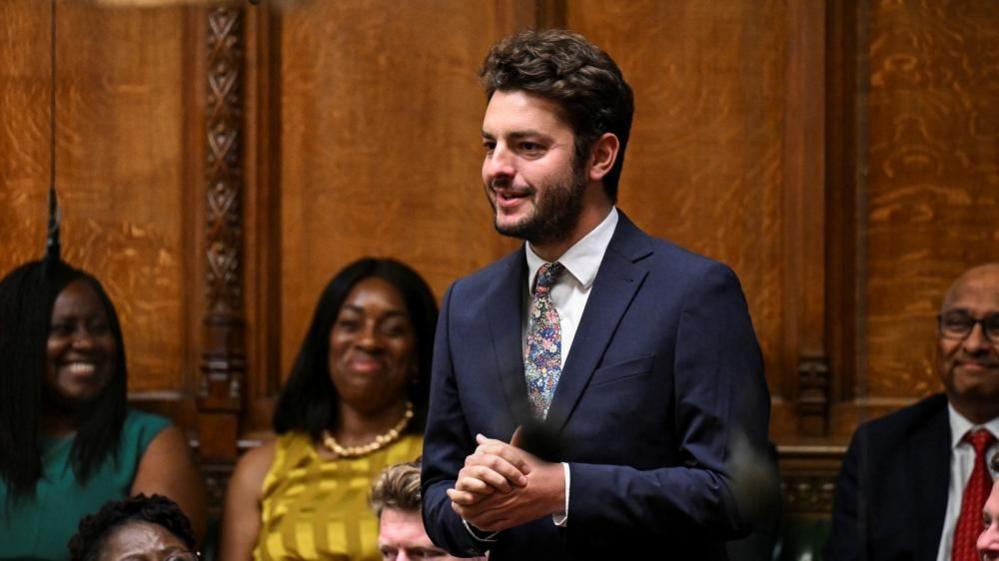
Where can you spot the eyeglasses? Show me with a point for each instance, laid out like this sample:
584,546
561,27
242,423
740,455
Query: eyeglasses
958,324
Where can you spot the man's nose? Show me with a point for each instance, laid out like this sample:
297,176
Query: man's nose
976,342
499,163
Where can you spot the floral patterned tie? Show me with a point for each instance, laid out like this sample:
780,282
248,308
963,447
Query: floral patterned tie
969,524
543,355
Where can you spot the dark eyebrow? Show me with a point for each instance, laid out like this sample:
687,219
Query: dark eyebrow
359,310
517,135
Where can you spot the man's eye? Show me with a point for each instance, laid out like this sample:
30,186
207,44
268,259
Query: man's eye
957,321
61,329
488,145
531,147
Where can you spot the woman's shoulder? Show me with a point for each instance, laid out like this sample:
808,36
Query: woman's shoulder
138,421
140,429
254,465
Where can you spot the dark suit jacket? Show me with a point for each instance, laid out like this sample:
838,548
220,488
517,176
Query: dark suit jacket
663,367
891,495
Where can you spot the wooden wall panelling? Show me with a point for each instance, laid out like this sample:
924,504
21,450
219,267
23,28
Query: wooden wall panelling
804,216
380,118
121,161
933,178
262,214
842,197
24,130
706,161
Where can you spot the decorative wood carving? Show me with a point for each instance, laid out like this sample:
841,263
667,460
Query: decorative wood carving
808,493
224,359
813,396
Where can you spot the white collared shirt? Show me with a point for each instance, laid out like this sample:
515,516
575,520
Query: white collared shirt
569,295
962,461
572,290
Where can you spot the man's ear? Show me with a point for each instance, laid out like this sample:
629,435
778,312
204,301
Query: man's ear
603,154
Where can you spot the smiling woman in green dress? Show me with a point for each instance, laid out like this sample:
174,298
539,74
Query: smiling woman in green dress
68,440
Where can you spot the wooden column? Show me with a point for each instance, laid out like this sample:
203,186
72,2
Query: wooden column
223,360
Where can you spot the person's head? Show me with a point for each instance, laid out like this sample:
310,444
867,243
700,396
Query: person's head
369,345
395,498
988,540
555,131
968,343
62,355
139,528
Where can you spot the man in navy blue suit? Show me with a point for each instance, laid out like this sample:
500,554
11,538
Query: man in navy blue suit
629,364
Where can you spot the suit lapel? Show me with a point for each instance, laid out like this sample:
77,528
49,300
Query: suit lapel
929,456
616,284
504,310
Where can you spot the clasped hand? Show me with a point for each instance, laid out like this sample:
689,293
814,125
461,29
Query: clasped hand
502,486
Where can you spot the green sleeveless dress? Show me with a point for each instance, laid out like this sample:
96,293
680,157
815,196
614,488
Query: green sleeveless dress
40,528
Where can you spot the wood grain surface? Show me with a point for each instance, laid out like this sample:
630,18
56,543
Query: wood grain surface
119,153
704,164
380,144
932,178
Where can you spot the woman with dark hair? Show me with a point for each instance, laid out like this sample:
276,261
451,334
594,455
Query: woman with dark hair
138,527
68,440
355,402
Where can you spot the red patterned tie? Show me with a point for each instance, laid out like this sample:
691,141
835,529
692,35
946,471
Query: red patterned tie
969,525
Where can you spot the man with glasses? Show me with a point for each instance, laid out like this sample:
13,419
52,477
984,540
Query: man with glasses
914,483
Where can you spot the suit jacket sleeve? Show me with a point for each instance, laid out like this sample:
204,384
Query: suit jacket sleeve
718,391
446,442
847,539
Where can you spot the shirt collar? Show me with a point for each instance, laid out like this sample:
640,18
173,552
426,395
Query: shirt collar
960,425
582,260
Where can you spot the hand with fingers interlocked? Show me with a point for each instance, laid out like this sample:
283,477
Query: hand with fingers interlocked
502,486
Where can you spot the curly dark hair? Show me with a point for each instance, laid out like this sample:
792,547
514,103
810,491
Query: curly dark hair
86,544
582,79
309,401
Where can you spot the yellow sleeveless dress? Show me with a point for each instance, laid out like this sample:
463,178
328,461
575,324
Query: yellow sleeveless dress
314,508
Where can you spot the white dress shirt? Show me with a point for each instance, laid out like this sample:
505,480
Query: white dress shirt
962,461
569,295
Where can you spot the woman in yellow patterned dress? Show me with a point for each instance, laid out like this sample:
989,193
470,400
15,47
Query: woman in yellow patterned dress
355,402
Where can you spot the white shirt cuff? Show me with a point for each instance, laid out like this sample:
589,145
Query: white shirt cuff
561,519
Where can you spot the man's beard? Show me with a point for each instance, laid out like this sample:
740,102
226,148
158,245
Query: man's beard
556,212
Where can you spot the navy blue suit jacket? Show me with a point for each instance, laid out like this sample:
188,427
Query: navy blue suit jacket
891,495
663,367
